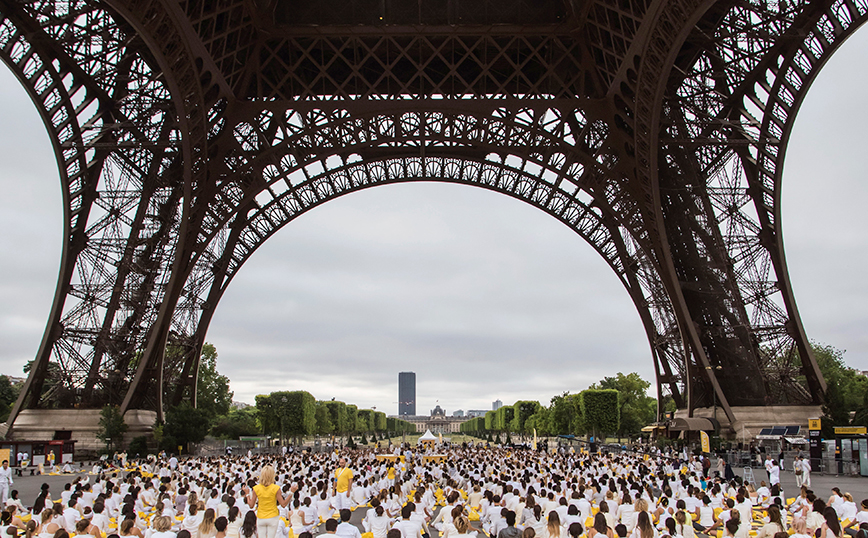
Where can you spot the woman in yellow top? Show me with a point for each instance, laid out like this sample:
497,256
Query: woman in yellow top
268,494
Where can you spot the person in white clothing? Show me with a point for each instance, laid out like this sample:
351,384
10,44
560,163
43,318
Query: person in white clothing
774,474
5,482
379,523
806,472
797,470
409,528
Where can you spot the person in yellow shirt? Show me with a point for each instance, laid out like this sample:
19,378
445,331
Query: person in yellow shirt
343,485
267,494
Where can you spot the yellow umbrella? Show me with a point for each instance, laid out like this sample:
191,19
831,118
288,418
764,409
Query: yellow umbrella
534,438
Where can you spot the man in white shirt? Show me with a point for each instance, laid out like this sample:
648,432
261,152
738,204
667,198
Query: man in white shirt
584,506
70,515
347,529
100,520
408,527
66,494
5,482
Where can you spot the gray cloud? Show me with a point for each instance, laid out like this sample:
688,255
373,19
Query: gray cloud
482,296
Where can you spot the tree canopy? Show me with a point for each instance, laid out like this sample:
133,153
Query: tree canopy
212,389
636,408
846,392
184,424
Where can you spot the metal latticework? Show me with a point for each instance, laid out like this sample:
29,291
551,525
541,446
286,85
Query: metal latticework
187,133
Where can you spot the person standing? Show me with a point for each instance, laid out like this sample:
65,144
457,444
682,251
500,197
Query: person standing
797,470
267,494
806,471
343,485
5,482
774,473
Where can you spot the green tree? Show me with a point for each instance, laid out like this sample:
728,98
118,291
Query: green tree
352,419
539,421
490,421
503,418
379,421
845,388
637,409
138,447
861,416
287,413
212,389
8,395
267,414
521,412
111,427
184,424
601,411
324,424
366,422
560,414
338,415
238,423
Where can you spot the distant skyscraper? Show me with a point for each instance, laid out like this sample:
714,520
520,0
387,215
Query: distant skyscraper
407,393
496,404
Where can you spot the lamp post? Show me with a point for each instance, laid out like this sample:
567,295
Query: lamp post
282,416
718,368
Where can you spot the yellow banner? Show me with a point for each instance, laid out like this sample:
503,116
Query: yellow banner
706,442
852,430
814,424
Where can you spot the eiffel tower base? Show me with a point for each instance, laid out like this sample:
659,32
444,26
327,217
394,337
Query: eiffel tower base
81,425
749,420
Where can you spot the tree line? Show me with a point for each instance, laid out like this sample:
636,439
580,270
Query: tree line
296,414
596,412
846,403
615,406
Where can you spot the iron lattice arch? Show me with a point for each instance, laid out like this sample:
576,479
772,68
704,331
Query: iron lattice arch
187,133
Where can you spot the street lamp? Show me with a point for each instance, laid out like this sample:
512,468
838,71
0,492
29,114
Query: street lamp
718,368
282,416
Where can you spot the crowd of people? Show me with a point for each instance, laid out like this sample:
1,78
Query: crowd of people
470,491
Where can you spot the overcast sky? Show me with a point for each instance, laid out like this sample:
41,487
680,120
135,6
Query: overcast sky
483,296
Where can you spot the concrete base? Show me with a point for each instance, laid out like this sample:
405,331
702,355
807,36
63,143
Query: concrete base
41,425
749,420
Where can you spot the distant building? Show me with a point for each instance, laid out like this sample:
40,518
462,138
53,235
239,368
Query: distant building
459,413
437,422
496,404
406,394
473,413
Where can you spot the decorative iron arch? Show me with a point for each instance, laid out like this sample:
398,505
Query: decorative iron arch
273,177
669,118
109,117
257,222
